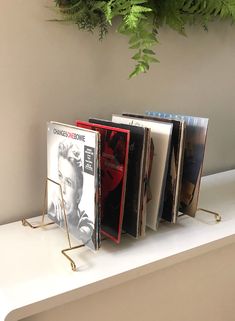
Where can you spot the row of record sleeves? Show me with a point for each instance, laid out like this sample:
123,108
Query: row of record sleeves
124,174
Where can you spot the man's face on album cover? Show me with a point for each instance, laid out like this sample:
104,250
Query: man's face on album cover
68,179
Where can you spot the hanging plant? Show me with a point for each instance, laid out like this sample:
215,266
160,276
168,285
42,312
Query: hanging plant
141,19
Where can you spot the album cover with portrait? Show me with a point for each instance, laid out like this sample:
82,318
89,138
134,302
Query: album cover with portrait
134,220
114,163
195,142
174,171
73,181
160,148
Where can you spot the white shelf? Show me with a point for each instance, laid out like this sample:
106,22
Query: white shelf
35,276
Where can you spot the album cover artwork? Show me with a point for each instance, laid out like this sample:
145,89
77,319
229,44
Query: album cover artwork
134,220
161,138
72,169
195,141
114,163
174,172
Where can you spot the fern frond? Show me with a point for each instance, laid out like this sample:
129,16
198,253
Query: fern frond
141,19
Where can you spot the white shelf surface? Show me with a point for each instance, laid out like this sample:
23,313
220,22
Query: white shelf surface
35,276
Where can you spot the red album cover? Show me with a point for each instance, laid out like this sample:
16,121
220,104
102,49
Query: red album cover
134,220
114,162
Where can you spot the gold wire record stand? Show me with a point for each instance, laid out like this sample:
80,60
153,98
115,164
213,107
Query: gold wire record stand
64,251
42,224
216,215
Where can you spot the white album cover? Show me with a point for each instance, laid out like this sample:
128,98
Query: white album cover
72,171
161,138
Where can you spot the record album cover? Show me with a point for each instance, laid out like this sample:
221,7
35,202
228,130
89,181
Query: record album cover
134,220
195,141
72,162
161,138
174,171
114,162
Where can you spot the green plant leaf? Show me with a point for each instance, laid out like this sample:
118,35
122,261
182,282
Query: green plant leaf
140,20
137,56
149,51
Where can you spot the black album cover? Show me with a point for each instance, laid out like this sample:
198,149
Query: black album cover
114,164
134,220
72,169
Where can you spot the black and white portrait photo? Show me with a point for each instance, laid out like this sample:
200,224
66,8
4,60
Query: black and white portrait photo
73,195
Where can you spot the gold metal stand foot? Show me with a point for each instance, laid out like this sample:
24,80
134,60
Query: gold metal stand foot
218,217
42,224
73,265
27,223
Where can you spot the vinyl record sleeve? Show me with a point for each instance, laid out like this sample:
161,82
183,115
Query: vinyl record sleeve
195,142
72,162
161,137
114,164
134,220
174,171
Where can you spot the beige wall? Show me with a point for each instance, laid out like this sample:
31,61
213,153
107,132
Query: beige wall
200,289
49,71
